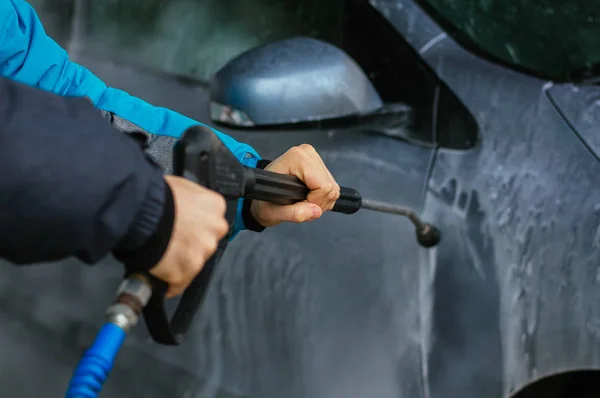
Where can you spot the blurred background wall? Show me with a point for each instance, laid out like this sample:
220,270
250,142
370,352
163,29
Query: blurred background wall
183,37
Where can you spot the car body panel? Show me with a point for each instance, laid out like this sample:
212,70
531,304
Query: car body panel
321,291
580,106
515,279
293,311
350,306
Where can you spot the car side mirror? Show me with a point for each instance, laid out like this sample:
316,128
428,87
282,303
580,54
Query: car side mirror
290,81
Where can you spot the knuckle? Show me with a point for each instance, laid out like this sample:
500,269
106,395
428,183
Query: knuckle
307,148
173,292
177,279
296,151
196,266
211,247
193,265
334,193
179,288
326,191
220,203
222,228
190,275
301,151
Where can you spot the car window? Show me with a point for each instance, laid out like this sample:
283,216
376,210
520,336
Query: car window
195,38
555,39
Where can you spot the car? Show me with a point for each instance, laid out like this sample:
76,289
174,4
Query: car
483,117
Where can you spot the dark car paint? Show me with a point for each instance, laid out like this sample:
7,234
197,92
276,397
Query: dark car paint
306,300
514,283
294,309
580,106
350,306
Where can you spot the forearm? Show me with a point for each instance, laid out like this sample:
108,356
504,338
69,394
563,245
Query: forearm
165,122
29,56
72,185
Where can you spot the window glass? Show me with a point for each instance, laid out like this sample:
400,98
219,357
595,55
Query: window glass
556,39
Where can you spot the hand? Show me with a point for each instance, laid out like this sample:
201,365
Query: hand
305,163
199,226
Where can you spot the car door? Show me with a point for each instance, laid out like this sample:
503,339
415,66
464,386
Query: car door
329,308
326,308
513,282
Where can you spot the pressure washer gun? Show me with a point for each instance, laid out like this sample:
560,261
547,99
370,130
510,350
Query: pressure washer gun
200,156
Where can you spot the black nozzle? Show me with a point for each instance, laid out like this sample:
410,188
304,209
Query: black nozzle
428,235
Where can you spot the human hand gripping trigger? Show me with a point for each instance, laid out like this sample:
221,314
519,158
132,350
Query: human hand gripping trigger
305,163
200,215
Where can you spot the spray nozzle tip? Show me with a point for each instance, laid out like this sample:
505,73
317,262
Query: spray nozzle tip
428,236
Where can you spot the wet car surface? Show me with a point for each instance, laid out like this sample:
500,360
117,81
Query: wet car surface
351,306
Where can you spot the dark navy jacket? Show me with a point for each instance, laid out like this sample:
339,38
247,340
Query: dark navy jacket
72,185
29,56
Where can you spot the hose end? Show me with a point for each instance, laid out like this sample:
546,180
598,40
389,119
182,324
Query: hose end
428,236
95,365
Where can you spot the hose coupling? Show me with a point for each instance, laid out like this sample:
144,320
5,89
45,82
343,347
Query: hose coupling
132,296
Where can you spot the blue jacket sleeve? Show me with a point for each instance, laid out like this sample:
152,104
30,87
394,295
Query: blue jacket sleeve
29,56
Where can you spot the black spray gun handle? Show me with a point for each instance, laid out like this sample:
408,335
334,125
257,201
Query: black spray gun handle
285,189
200,156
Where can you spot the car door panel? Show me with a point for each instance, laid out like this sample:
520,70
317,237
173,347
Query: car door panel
580,106
355,297
350,306
330,308
523,255
506,298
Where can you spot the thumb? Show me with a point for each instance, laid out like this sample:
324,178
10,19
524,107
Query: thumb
296,213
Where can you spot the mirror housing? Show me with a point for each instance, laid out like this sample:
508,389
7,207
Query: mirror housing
290,81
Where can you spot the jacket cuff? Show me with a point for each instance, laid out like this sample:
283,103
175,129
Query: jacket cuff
250,222
261,164
145,246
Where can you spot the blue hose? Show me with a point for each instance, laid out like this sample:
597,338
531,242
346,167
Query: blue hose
96,363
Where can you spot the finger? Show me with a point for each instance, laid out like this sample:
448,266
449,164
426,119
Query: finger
305,163
326,198
307,167
180,281
219,203
177,285
330,193
317,159
221,228
297,213
177,288
312,172
175,291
